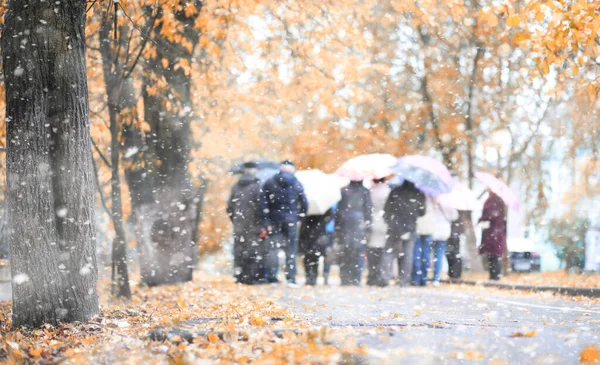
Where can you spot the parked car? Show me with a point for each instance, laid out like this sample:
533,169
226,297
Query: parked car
524,255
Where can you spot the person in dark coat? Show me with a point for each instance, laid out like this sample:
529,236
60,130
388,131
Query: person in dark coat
493,237
404,205
352,227
378,257
243,208
313,243
283,202
457,235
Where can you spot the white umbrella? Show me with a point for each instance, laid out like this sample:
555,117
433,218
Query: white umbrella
365,167
322,190
459,198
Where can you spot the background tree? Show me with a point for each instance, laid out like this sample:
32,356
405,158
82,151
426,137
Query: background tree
120,100
168,109
568,236
49,163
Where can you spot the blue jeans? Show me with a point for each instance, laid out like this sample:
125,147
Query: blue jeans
421,255
439,251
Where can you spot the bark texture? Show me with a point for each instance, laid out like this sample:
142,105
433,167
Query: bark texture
50,181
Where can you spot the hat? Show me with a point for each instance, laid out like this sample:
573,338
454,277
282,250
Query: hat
250,165
287,163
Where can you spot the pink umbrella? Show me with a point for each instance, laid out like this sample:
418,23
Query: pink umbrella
428,174
365,167
459,198
499,188
430,164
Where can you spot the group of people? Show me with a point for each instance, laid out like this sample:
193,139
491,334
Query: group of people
374,227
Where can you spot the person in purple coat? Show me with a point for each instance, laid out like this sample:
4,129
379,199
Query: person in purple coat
493,237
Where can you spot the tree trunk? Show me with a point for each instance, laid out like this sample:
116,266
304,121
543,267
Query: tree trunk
139,179
473,262
199,201
113,80
50,181
4,248
168,257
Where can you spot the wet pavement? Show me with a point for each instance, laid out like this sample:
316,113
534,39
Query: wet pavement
452,324
5,291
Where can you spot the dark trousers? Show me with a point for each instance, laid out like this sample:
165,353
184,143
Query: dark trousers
379,262
403,249
350,265
290,233
284,236
248,259
311,267
495,267
454,258
271,260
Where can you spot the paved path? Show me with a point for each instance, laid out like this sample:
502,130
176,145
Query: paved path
452,324
5,291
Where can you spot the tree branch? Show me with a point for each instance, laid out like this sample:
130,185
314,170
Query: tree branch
100,154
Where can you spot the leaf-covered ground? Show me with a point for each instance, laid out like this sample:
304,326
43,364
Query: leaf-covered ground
231,323
238,324
549,278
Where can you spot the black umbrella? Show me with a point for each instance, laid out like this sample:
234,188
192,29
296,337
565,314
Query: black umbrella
238,167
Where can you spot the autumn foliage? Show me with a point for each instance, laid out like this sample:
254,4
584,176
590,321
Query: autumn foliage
321,81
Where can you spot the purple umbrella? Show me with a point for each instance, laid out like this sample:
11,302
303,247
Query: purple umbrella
428,174
499,188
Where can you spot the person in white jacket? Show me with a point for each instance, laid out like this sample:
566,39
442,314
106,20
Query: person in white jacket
444,216
422,251
378,259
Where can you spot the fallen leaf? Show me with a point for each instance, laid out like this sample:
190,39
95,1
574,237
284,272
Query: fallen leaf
36,352
69,352
473,355
590,355
17,353
88,341
213,338
257,321
242,360
526,334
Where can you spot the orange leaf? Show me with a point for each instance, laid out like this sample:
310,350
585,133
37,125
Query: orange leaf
473,355
69,352
257,321
242,360
87,341
526,334
213,338
513,21
590,355
36,353
17,353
